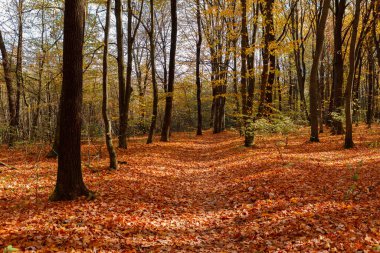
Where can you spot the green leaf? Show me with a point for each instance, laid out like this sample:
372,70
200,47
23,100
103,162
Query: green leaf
10,249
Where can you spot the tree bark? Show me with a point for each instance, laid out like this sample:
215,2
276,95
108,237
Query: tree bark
349,143
269,61
371,84
107,121
299,54
336,102
11,94
198,69
70,183
320,38
169,96
245,76
120,71
19,69
154,79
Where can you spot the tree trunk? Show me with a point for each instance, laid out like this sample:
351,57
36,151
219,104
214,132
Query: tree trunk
299,54
349,143
356,88
128,89
279,88
70,183
371,84
247,108
11,95
120,71
336,102
107,121
269,61
19,70
53,153
154,79
169,96
320,38
198,69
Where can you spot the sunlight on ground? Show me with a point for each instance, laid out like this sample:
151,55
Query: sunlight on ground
202,194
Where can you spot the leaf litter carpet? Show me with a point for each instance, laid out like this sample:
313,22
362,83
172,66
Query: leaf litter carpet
201,194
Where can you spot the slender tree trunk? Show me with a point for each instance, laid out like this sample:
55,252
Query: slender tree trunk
371,84
128,89
247,109
321,87
70,183
107,121
336,103
198,69
279,89
299,54
169,96
154,80
349,143
19,69
120,71
53,153
11,94
356,88
269,61
320,38
41,69
237,109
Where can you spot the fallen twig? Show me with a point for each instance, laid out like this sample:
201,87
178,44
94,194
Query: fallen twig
7,166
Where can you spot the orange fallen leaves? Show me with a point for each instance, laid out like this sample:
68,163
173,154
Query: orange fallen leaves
202,194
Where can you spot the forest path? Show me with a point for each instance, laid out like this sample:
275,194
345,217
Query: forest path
202,194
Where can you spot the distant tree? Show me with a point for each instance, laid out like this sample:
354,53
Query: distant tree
70,183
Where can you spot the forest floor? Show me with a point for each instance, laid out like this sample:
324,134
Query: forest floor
201,194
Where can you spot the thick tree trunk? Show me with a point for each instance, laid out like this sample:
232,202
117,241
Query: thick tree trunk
107,121
70,183
169,96
320,38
